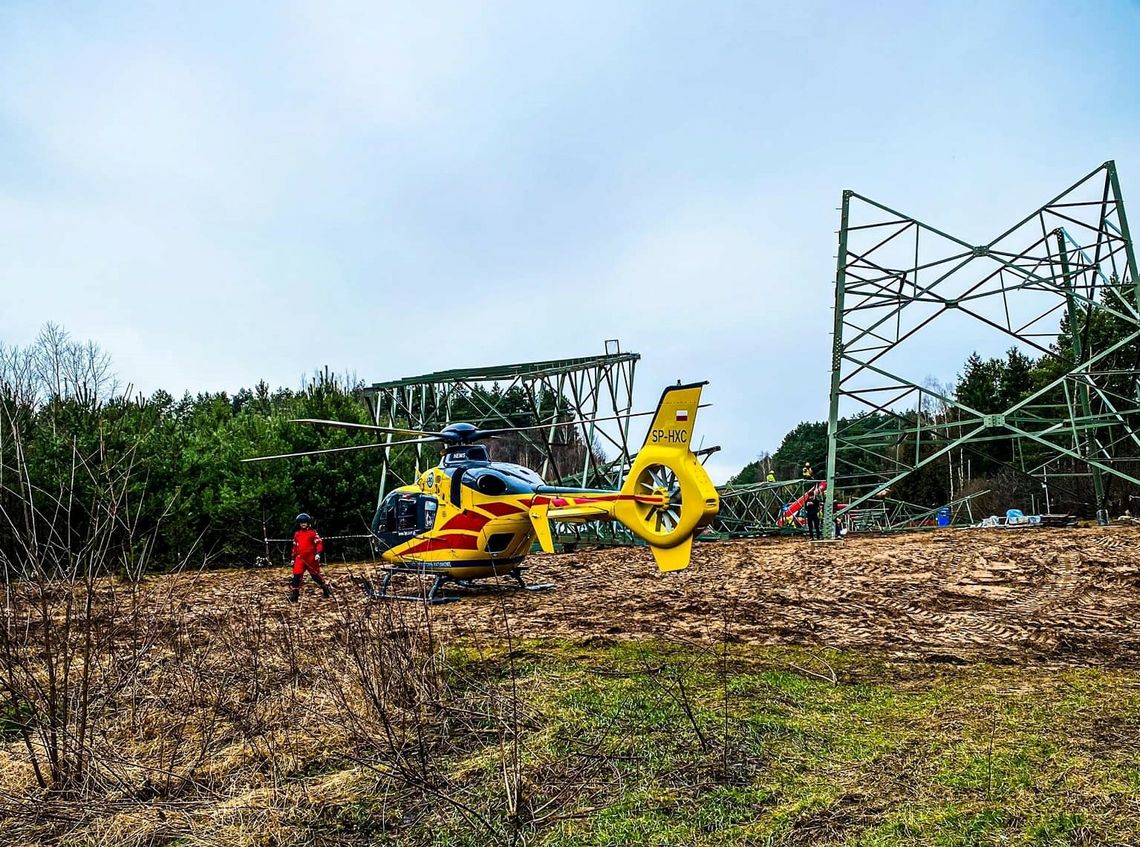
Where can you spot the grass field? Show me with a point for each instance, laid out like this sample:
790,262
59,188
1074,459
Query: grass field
650,744
217,714
664,744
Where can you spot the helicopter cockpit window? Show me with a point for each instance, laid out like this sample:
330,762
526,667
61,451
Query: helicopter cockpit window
385,520
406,514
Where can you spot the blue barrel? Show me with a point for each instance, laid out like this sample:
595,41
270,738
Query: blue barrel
943,516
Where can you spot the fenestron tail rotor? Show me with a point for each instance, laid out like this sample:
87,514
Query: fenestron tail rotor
669,495
660,480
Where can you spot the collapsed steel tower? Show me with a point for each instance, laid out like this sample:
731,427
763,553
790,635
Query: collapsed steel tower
756,508
905,291
584,390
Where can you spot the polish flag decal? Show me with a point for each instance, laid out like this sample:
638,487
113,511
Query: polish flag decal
682,414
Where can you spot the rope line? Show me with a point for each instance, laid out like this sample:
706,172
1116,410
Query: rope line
323,537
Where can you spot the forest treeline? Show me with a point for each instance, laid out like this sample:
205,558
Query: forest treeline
152,481
997,464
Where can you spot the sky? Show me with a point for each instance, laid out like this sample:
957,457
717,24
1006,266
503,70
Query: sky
221,193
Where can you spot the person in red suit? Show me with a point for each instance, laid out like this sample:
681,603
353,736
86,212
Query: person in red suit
307,549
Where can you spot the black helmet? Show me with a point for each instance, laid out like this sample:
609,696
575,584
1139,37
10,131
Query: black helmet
303,518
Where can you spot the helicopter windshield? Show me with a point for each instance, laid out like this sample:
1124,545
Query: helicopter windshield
403,512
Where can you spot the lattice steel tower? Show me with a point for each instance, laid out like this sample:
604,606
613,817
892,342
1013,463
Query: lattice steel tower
584,390
906,293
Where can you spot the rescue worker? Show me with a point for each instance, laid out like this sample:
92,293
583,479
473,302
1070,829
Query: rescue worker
808,472
307,549
771,477
811,512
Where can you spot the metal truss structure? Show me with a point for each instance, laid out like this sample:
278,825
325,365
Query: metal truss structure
747,510
755,509
908,295
596,392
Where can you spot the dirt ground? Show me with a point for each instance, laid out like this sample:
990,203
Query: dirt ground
1005,596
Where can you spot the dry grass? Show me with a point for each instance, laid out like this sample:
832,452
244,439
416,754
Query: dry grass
251,722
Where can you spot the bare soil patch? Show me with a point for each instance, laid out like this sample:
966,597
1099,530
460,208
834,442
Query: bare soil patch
1005,596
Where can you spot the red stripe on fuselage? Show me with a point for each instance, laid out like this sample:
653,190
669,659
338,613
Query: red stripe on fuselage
500,509
444,542
472,521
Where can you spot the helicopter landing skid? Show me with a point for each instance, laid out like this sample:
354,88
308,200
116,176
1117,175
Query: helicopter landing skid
438,581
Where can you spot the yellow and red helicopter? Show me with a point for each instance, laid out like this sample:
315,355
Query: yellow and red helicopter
471,518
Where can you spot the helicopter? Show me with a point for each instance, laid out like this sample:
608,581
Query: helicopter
471,518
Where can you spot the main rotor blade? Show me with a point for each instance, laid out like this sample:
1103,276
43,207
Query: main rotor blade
430,440
371,427
484,433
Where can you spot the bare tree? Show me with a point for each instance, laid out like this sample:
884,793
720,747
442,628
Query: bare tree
69,644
